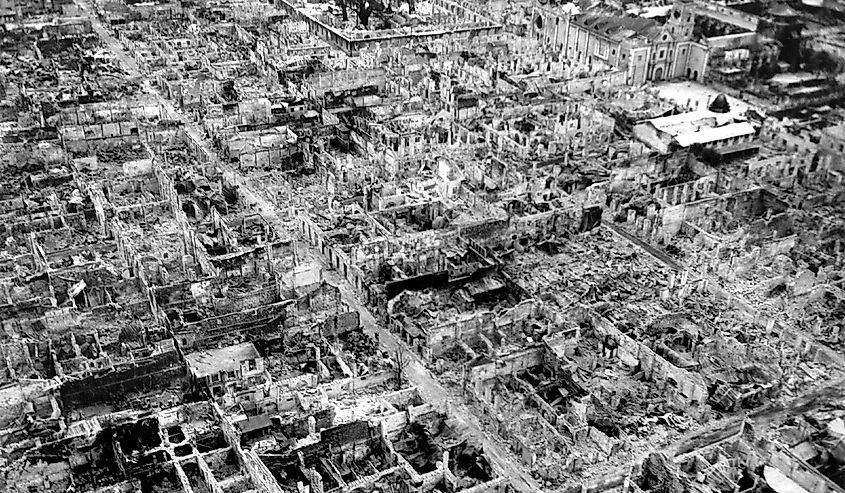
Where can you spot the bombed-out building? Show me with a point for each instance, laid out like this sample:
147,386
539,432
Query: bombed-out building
426,246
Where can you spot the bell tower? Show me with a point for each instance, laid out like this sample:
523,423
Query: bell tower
681,19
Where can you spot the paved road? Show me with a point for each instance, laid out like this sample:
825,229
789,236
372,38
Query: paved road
435,393
742,19
654,252
416,372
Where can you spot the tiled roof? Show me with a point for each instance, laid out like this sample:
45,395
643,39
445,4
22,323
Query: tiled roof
618,28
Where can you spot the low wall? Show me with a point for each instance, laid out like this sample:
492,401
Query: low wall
443,337
690,385
506,365
336,258
801,472
349,385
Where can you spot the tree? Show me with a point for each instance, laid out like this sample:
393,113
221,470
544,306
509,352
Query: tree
344,9
767,71
711,157
820,61
363,9
707,155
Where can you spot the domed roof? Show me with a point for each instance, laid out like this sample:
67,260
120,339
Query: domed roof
720,104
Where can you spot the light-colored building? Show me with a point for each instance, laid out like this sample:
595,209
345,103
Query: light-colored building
645,48
221,370
720,132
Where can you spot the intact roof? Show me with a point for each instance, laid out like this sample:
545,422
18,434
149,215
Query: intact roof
794,78
701,127
214,361
681,122
712,134
618,28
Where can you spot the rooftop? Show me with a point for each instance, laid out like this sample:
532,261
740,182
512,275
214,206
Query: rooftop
712,134
618,28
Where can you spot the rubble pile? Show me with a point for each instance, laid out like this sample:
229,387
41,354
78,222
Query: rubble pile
424,247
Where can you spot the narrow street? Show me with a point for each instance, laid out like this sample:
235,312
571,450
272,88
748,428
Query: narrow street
422,247
416,372
654,252
435,393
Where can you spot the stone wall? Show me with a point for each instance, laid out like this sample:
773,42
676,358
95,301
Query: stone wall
142,376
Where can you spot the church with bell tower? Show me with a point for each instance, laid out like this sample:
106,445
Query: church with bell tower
645,48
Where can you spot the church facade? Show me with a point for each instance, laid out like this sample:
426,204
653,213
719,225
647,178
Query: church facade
646,49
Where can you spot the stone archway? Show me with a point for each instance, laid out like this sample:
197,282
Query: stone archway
658,73
689,72
695,75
